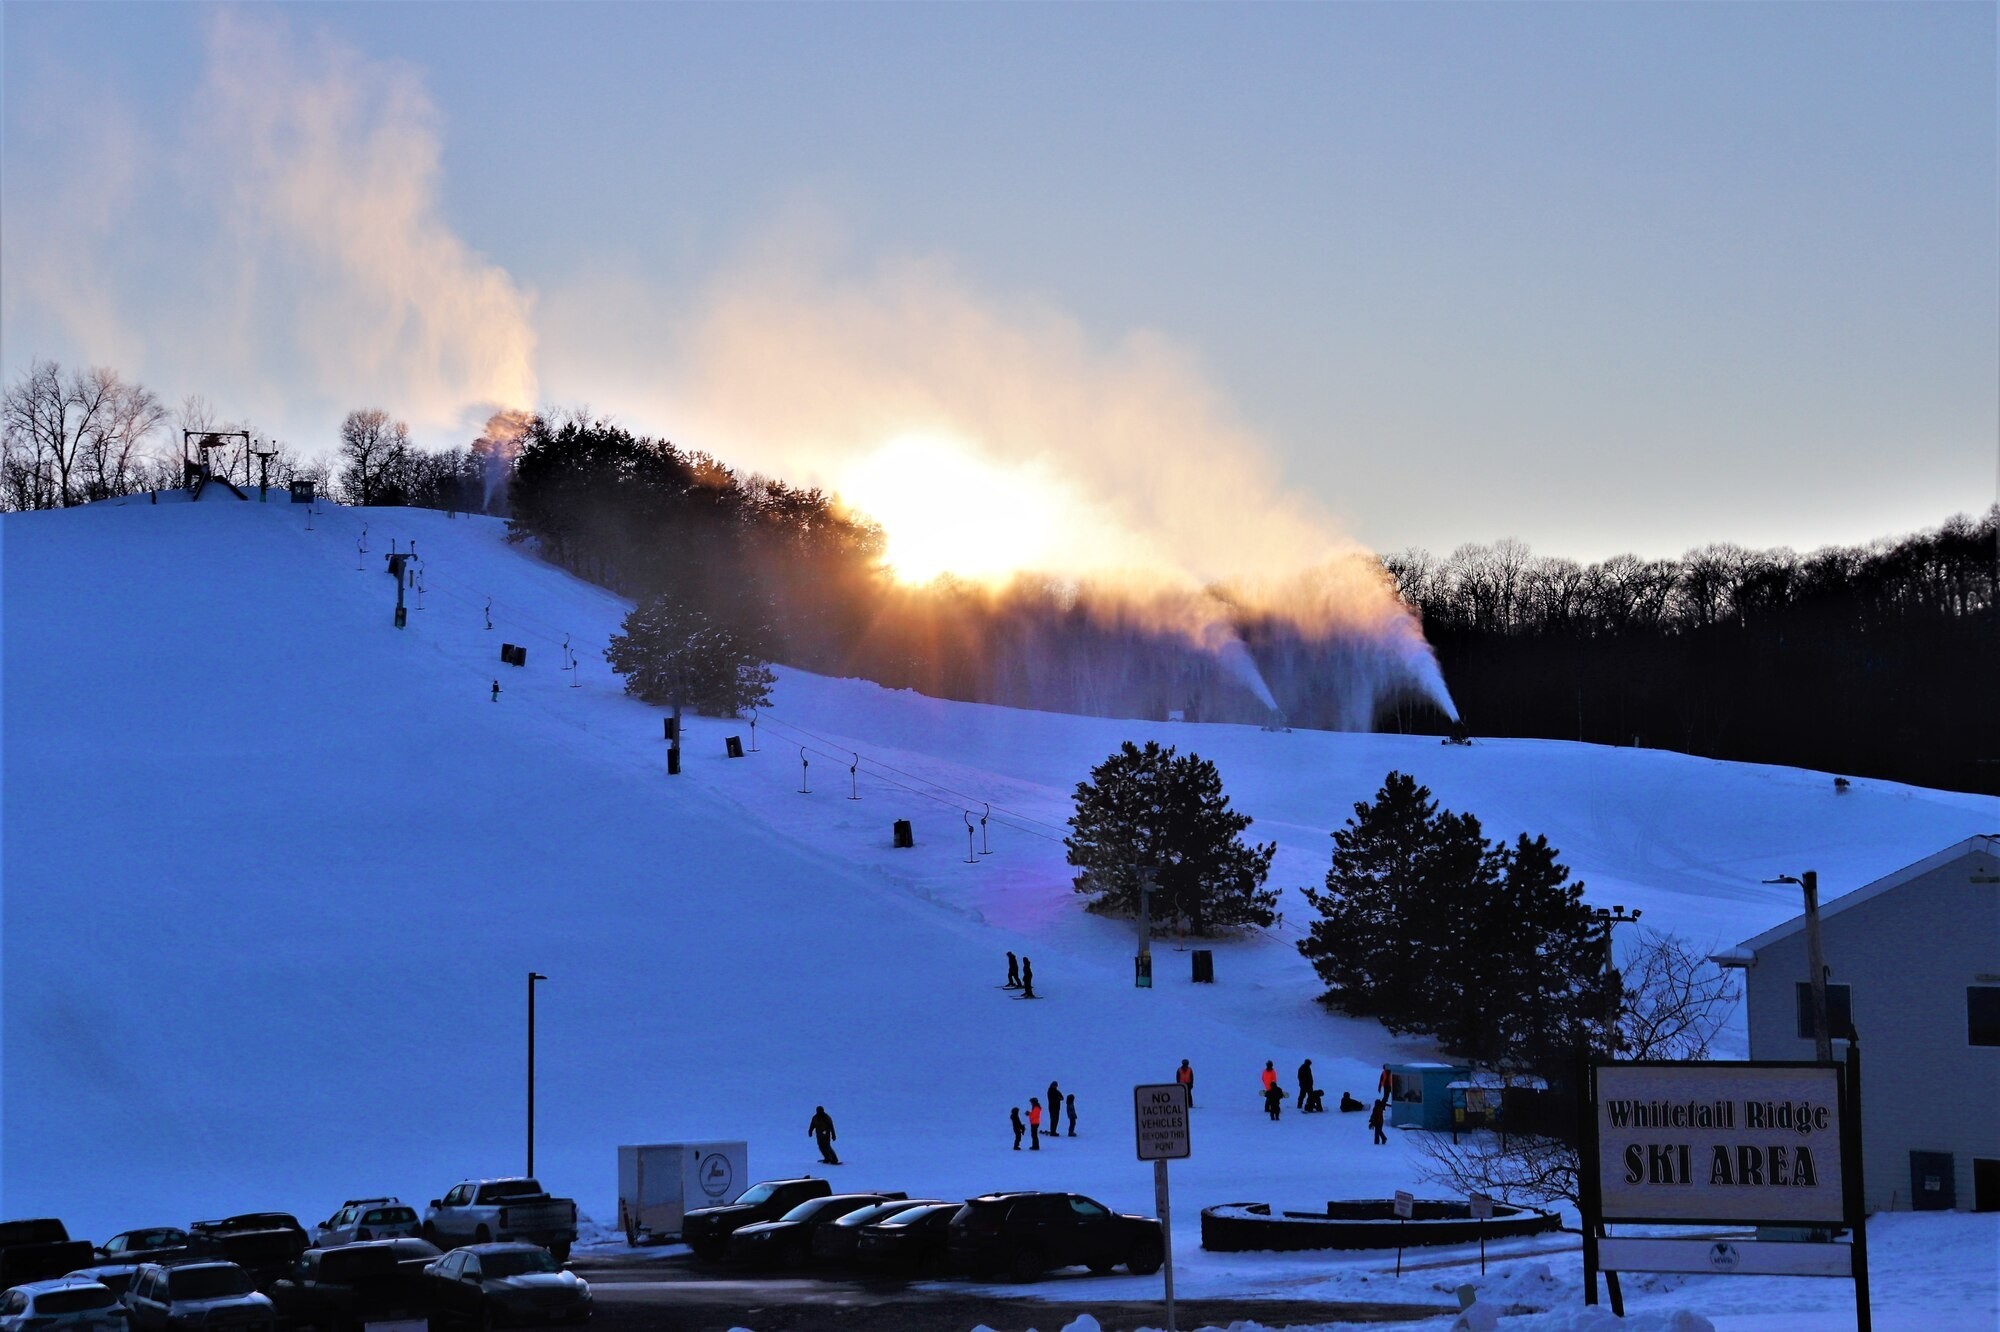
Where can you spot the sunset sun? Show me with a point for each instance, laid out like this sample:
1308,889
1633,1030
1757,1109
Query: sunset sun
946,511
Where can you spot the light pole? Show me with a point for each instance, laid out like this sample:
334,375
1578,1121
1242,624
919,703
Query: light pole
533,976
1808,884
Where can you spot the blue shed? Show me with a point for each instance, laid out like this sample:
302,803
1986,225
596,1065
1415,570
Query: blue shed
1420,1095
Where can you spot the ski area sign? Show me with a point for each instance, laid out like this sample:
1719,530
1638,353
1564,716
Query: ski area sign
1750,1144
1160,1117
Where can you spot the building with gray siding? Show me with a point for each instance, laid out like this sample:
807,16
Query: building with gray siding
1913,960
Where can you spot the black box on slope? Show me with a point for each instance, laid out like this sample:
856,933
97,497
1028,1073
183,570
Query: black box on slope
667,728
1204,966
904,837
674,761
512,655
734,746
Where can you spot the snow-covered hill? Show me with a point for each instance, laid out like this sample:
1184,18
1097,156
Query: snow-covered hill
275,873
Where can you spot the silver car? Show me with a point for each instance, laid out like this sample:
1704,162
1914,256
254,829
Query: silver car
368,1219
62,1305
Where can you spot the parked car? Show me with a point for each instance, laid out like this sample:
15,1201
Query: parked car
486,1285
482,1211
65,1304
834,1241
39,1249
264,1244
206,1295
1027,1234
787,1242
351,1285
114,1277
157,1245
908,1242
367,1219
707,1229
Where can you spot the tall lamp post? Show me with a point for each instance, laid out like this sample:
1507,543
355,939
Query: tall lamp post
533,976
1808,885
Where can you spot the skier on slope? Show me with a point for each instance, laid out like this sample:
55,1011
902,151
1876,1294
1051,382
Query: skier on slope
821,1131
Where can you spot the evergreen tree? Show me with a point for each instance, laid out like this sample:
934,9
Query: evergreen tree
1152,808
1430,928
674,653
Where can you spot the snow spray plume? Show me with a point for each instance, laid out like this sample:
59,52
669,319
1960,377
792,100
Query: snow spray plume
498,445
1118,469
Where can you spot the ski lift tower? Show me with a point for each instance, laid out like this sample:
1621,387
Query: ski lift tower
197,468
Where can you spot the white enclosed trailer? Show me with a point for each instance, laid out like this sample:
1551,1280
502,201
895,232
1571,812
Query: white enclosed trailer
658,1184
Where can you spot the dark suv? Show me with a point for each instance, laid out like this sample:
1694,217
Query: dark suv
706,1230
1026,1234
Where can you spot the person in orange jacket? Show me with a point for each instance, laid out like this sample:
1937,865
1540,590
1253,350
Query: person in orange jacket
1185,1076
1034,1123
1270,1076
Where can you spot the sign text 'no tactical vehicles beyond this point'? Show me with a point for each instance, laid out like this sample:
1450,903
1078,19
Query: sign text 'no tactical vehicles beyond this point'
1160,1116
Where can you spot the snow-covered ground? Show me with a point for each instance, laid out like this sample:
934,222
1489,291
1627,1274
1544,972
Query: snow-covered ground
275,873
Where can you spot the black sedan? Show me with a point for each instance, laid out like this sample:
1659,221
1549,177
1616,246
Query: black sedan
355,1284
908,1242
487,1285
834,1242
787,1242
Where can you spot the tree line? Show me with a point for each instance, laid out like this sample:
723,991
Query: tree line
1873,660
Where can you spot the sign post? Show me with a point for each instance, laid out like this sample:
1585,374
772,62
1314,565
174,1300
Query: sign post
1761,1143
1406,1207
1482,1212
1160,1122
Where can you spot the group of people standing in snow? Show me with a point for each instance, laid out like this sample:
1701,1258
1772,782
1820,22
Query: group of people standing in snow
1020,976
1058,1102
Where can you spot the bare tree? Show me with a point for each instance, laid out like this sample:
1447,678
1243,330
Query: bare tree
73,438
1675,1001
371,446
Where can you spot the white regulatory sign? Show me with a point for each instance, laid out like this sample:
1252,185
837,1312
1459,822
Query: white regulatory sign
1481,1207
1406,1205
1160,1118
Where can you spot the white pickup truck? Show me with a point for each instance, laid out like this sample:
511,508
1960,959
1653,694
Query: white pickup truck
482,1211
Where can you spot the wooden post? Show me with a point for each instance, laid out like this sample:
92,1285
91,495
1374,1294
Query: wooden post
1857,1198
1816,960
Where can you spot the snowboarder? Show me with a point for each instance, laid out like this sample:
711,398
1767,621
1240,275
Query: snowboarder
1348,1104
1305,1083
1375,1123
1055,1109
1027,977
496,691
1034,1125
1013,972
1070,1100
1274,1101
821,1130
1269,1076
1019,1127
1185,1076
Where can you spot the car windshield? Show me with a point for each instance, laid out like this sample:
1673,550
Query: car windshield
388,1216
517,1262
501,1190
869,1215
75,1299
917,1214
750,1197
207,1283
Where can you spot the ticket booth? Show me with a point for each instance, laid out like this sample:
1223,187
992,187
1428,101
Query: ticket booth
1420,1094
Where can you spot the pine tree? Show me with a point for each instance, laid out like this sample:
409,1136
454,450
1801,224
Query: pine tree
1152,808
675,653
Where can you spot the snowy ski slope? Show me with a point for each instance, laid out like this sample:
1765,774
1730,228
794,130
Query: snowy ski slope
274,873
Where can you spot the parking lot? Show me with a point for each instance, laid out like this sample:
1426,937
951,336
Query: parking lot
669,1291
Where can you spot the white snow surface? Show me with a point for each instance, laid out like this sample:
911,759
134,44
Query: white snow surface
275,873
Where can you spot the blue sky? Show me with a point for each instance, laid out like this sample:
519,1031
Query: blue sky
1601,277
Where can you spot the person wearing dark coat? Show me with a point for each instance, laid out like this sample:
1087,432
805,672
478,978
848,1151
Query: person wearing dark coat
1019,1127
1348,1103
1305,1083
1055,1109
1013,973
1070,1101
496,691
1027,977
1274,1101
1375,1123
821,1130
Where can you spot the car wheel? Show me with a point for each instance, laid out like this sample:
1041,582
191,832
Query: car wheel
559,1251
709,1251
1026,1264
1099,1269
430,1234
1144,1261
487,1320
482,1236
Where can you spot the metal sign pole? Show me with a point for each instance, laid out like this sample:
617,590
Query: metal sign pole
1166,1232
1857,1201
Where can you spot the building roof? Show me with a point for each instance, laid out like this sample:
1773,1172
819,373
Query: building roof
1745,951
